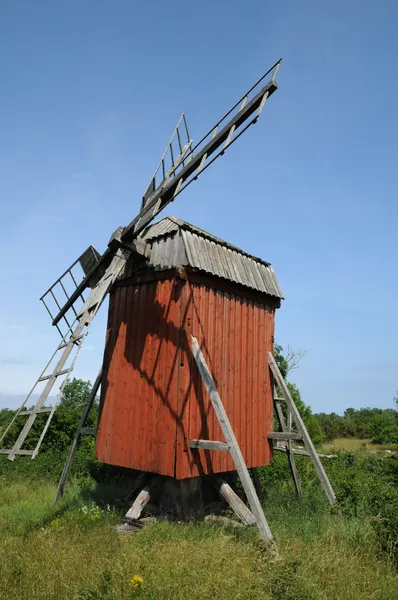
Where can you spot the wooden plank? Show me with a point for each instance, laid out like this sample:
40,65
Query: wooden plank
235,451
237,505
292,462
75,441
88,431
139,503
300,425
55,374
20,452
40,410
284,435
208,445
84,321
45,393
302,452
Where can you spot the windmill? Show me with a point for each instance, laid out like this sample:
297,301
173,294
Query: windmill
136,254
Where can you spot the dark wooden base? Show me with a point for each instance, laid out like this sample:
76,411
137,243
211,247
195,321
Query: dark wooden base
184,500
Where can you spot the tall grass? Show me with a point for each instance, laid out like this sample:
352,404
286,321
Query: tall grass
71,551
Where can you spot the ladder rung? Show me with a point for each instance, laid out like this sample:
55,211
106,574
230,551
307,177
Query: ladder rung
21,452
208,445
44,409
74,340
64,372
284,435
88,431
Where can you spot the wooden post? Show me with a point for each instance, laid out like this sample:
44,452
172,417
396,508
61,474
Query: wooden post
139,504
75,441
234,449
239,507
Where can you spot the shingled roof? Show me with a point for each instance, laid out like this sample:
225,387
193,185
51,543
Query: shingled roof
176,243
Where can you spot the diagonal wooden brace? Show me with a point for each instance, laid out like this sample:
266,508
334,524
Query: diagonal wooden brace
234,449
281,383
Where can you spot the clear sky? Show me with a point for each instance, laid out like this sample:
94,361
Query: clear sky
90,92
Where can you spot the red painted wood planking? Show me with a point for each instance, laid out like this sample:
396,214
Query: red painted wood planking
153,400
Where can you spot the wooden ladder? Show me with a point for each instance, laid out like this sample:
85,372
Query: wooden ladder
65,356
286,435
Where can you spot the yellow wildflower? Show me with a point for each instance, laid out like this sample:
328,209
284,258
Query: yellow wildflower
56,523
136,582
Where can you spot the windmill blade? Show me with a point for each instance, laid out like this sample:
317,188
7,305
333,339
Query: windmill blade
182,170
179,146
226,131
68,289
137,250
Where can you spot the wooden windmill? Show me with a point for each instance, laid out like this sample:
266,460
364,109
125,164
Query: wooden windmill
188,382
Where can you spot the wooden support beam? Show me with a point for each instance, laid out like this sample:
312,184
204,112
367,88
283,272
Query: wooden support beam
139,504
281,383
88,431
284,435
44,409
208,445
237,505
284,427
235,451
17,452
75,441
302,452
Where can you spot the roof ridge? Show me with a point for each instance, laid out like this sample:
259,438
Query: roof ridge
197,230
181,224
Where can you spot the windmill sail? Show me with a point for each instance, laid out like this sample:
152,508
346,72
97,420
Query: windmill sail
217,140
70,287
179,146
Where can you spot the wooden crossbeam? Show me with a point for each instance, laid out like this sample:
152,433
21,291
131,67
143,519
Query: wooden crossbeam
208,445
302,452
284,435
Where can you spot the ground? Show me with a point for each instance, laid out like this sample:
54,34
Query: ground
71,551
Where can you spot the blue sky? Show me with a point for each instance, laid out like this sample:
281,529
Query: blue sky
90,92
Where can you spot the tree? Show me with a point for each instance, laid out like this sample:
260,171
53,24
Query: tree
75,394
6,415
287,364
310,421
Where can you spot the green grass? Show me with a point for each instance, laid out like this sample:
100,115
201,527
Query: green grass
355,445
70,551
